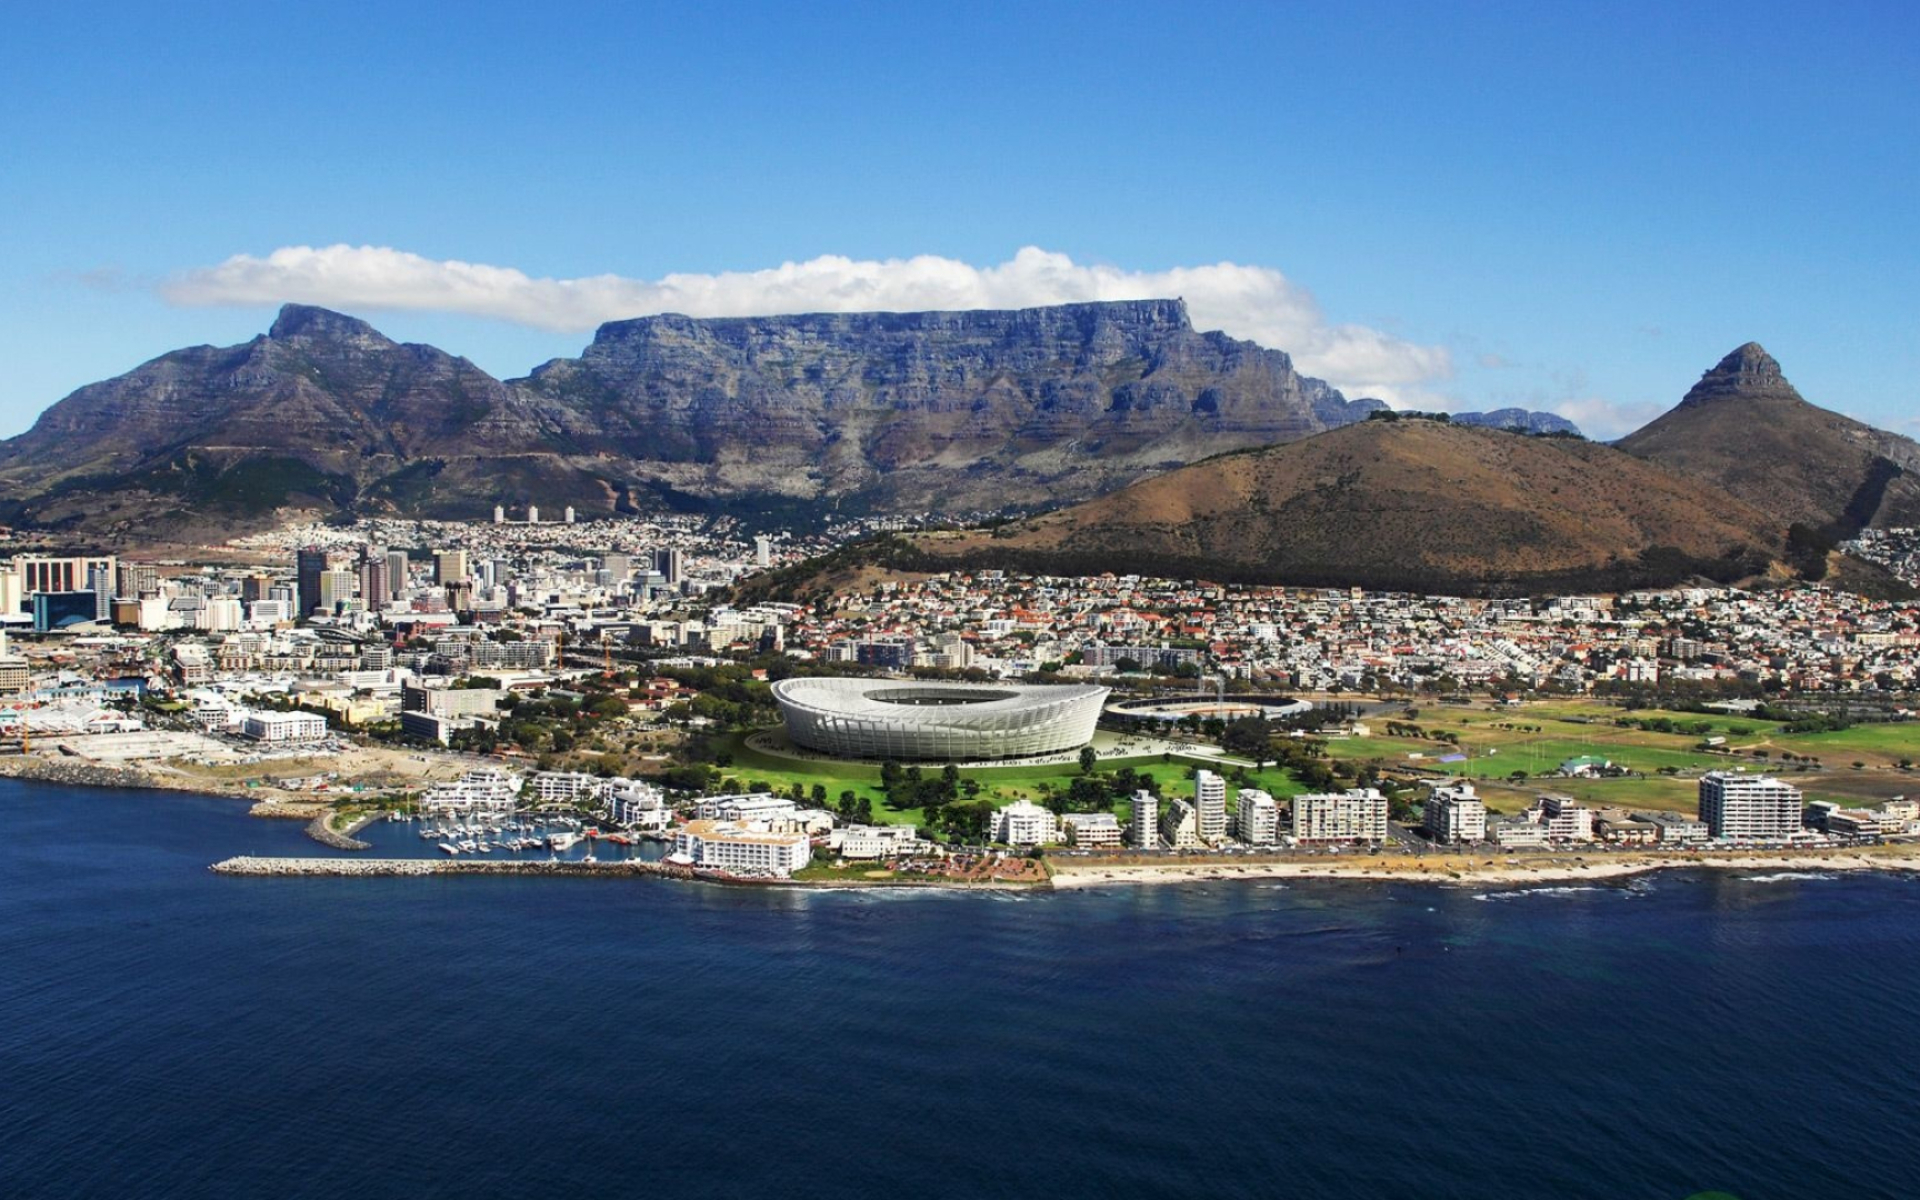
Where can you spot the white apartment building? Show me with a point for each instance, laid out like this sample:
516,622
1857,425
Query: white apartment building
741,848
873,841
1564,819
1180,825
283,726
1455,814
1024,823
559,787
1146,832
763,807
1258,821
636,805
1092,831
1210,806
1357,815
1748,807
478,793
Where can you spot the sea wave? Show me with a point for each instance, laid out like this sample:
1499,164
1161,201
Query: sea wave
1510,893
1785,877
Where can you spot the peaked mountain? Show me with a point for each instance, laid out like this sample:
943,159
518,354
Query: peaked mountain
1743,428
947,411
1409,504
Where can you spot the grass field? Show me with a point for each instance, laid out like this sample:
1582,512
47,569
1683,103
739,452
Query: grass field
1002,785
1879,745
1533,738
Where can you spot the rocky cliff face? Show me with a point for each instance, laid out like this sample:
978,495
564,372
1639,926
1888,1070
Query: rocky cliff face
931,410
869,411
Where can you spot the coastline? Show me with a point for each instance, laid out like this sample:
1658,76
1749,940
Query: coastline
1494,872
1487,869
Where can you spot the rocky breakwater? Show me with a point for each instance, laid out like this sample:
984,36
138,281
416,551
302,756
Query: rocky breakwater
321,830
364,867
75,773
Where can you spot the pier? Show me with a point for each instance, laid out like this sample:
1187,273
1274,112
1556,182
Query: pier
347,867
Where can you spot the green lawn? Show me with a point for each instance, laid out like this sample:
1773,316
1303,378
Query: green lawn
1878,744
1002,785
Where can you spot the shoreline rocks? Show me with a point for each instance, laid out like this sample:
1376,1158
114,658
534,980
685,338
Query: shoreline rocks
321,830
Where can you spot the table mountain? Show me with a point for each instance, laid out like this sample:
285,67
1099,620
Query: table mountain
801,414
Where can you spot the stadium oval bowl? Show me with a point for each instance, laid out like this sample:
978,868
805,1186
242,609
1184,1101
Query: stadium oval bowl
955,722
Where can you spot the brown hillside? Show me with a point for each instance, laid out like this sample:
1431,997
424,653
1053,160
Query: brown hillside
1744,428
1408,503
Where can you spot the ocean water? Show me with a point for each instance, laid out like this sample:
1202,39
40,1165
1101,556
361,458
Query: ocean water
167,1032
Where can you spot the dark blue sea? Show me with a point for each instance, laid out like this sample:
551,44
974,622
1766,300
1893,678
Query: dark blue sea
167,1032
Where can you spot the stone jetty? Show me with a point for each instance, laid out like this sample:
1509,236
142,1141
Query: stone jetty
348,867
321,830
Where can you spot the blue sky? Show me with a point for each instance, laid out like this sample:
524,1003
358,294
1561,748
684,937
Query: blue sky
1577,207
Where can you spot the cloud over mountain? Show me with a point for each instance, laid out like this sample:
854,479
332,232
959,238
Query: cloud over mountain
1257,303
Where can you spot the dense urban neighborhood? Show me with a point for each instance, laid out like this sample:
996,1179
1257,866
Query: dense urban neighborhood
607,674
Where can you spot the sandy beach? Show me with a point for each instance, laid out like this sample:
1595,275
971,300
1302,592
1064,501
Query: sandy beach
1483,869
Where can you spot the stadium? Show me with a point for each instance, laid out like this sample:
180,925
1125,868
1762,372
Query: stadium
955,722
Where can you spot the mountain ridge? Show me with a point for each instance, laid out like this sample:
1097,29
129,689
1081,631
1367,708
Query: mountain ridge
942,411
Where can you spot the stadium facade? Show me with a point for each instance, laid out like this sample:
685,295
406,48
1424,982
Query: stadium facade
954,722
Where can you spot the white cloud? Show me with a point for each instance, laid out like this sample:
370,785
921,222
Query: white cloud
1257,303
1604,420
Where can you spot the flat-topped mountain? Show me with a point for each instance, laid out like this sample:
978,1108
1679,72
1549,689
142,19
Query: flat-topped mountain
948,411
1745,429
1408,504
934,410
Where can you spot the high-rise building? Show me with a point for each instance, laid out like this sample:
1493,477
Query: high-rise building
135,580
1180,826
100,583
618,566
450,566
567,515
1258,821
308,565
1210,806
533,514
396,573
255,587
1146,825
337,586
375,591
762,551
1455,814
1356,815
42,574
670,562
499,514
1757,807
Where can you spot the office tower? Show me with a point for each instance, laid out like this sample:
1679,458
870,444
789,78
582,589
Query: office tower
308,565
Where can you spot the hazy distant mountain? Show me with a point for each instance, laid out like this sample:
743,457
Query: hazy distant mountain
1415,504
872,411
1745,429
1519,419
